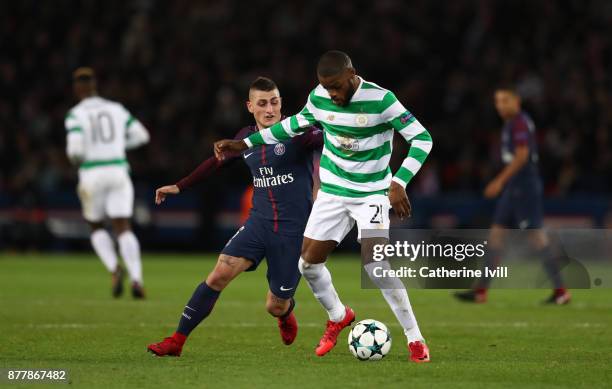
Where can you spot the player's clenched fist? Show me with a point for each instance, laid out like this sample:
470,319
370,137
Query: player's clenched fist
228,145
493,189
399,200
161,193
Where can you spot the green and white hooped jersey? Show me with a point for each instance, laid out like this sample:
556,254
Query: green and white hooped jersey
97,128
358,139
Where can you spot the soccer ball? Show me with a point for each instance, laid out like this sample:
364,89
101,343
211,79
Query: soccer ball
369,340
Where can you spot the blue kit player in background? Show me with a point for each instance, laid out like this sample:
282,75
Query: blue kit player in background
520,203
282,200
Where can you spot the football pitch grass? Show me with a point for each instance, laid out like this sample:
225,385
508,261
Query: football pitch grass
56,312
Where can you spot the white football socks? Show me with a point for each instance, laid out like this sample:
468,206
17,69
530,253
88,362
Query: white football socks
396,296
320,282
105,249
130,252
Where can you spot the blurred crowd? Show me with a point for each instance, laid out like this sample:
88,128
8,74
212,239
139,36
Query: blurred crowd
183,69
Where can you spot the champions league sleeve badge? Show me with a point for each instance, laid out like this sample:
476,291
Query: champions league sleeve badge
406,117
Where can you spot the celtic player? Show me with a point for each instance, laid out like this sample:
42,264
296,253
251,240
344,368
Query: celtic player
99,131
359,119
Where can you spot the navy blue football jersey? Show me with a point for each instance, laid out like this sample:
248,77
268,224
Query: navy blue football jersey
282,179
518,131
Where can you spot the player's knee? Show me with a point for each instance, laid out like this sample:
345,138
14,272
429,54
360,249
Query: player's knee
303,266
315,252
310,257
496,237
219,278
96,226
225,271
306,252
309,270
121,225
538,239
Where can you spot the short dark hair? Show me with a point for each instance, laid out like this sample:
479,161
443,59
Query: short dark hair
333,63
84,74
508,87
263,84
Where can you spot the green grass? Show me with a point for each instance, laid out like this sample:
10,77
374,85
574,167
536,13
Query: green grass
56,312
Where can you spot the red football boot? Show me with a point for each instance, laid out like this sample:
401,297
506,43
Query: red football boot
171,346
288,328
330,337
559,297
419,352
478,296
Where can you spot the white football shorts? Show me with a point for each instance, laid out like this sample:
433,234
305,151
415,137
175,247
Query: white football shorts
332,217
106,191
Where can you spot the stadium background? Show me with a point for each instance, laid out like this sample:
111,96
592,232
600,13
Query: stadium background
183,69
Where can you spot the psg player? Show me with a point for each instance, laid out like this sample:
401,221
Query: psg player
282,200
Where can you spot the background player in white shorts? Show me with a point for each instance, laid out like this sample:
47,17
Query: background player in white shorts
98,133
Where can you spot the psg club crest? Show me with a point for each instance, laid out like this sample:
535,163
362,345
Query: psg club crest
279,149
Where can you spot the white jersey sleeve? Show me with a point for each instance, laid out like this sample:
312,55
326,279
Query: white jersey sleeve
75,149
136,134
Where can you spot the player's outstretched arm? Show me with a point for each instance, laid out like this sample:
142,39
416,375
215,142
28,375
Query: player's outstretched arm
162,192
212,164
311,139
421,144
229,146
285,129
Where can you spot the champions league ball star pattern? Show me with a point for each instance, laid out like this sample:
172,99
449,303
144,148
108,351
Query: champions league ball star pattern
369,340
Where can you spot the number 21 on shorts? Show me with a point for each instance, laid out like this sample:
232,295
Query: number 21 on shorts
378,214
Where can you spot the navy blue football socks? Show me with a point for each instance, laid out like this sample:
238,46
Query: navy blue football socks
551,266
198,308
492,260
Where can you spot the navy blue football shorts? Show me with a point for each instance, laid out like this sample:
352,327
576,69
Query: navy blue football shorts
256,240
520,206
